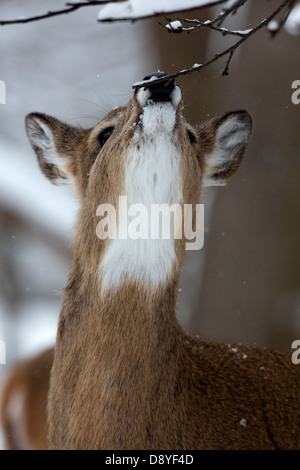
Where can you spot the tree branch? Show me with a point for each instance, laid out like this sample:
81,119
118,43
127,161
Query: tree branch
230,8
71,6
229,51
199,25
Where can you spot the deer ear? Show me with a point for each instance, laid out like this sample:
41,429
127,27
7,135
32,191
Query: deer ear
54,143
224,141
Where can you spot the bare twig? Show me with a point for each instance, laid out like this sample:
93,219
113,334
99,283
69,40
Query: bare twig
227,10
229,51
203,24
226,70
71,6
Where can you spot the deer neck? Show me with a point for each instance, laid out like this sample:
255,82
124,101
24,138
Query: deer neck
112,354
141,273
118,332
131,284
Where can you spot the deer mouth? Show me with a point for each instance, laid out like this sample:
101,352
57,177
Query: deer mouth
159,92
159,96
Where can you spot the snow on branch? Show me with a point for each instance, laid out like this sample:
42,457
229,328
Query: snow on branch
287,7
133,10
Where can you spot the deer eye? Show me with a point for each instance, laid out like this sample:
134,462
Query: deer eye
105,135
192,137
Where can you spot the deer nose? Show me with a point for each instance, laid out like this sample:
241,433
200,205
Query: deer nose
161,91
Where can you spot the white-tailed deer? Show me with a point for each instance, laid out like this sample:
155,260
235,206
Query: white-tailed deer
125,375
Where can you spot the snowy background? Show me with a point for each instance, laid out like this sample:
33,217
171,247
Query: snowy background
244,285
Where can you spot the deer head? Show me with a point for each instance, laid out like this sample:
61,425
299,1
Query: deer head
148,152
